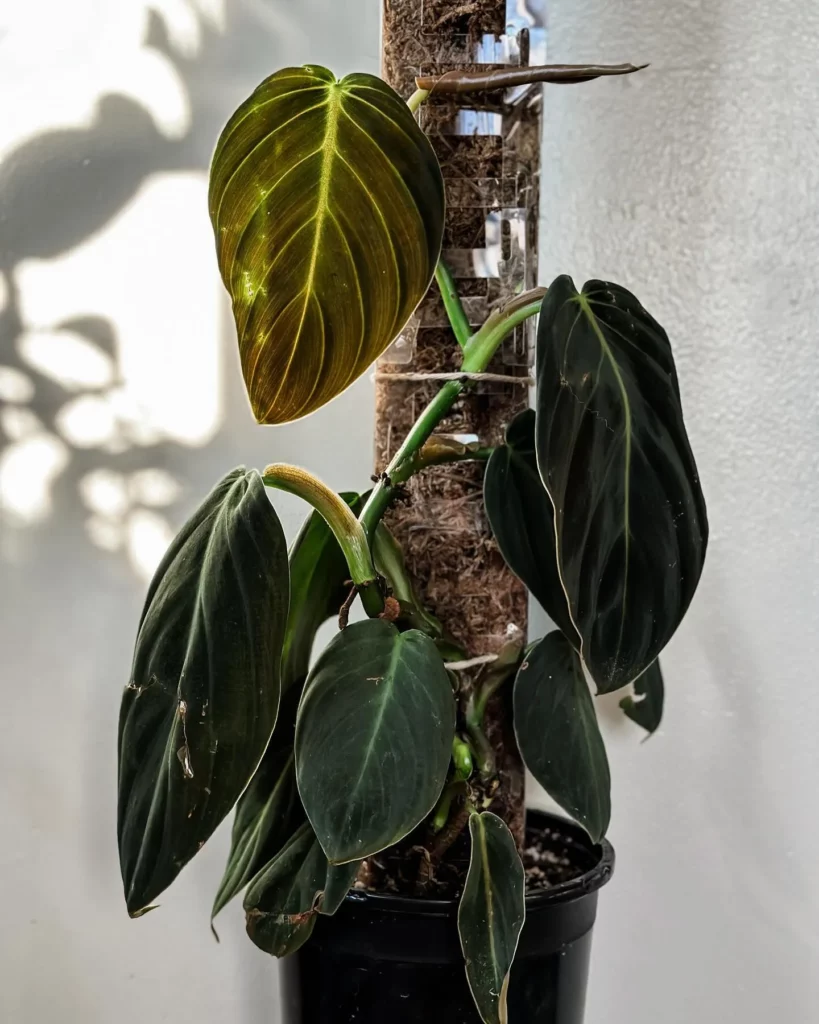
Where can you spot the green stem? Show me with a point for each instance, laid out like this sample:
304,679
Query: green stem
431,454
347,530
477,355
452,303
417,98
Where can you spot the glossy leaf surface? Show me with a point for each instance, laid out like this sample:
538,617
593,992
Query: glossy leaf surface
645,708
521,516
558,735
491,914
284,898
199,710
318,574
328,206
373,738
613,453
268,812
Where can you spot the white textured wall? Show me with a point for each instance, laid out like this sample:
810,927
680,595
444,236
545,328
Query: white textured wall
696,184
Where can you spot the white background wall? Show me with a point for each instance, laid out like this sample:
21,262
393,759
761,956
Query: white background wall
694,183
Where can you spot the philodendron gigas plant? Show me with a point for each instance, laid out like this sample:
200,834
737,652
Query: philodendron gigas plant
327,203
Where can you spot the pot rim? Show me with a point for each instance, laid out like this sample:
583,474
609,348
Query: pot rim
565,892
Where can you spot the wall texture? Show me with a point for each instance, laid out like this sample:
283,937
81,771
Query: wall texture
695,183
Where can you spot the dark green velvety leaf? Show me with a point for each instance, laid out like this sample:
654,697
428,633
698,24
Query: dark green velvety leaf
318,573
328,206
646,706
558,734
491,914
284,898
613,453
521,516
268,812
373,738
200,708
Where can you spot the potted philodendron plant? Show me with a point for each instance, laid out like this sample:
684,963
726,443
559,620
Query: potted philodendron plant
363,781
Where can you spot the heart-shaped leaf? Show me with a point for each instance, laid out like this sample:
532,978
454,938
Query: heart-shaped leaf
558,734
328,206
373,738
613,453
521,516
491,914
284,898
268,812
318,572
199,710
645,708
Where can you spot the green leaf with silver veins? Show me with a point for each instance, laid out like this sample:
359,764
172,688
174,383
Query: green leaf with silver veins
521,516
491,914
327,203
645,708
285,897
373,738
614,455
199,710
558,735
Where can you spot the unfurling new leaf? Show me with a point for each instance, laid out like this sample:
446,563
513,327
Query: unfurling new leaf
613,453
558,734
199,710
490,914
328,206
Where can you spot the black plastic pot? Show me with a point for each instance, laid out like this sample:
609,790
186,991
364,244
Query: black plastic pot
390,958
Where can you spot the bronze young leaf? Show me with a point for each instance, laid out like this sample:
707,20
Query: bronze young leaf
328,206
204,691
614,455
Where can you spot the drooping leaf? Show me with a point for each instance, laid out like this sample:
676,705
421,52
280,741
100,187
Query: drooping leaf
373,738
389,562
268,812
199,710
328,206
318,572
491,914
522,519
613,453
284,898
645,708
558,735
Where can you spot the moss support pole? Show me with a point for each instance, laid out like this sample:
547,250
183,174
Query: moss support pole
489,154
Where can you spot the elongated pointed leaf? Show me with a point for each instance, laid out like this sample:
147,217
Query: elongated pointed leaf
490,914
558,734
613,453
328,206
645,708
199,710
318,572
284,898
268,812
373,738
521,516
